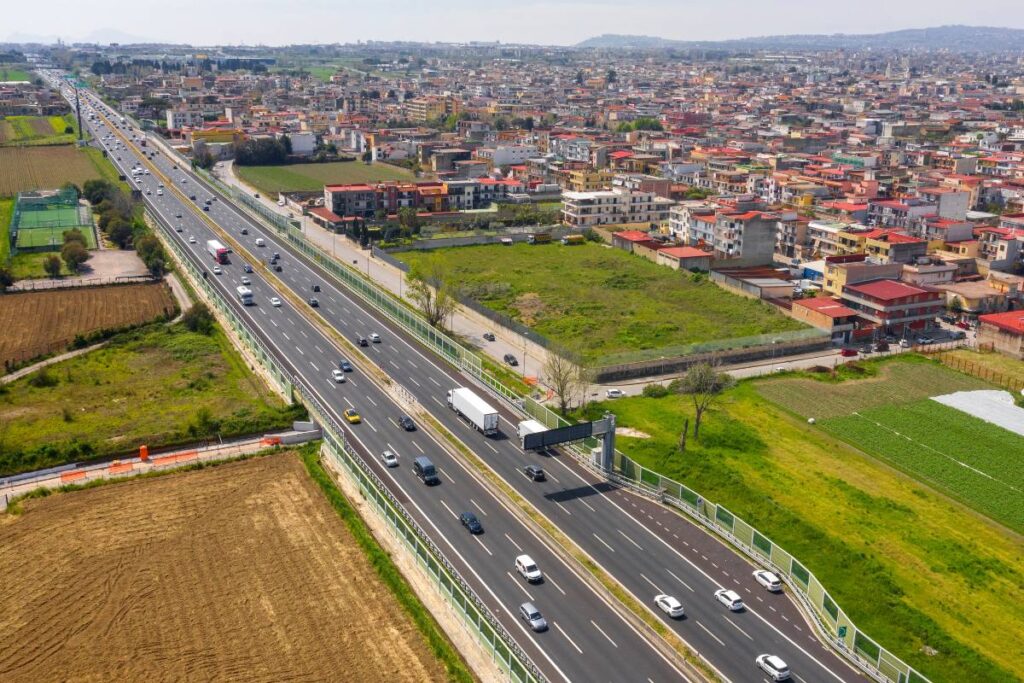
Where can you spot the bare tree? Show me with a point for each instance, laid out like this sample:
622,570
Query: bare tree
703,383
431,291
565,377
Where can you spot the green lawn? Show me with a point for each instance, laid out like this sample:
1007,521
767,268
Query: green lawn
37,130
30,266
14,73
157,386
601,300
6,213
312,177
910,567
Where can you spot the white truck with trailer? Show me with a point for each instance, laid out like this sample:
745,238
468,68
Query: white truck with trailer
482,416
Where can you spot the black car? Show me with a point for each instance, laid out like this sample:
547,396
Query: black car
511,360
245,231
247,268
277,267
345,365
277,255
177,215
471,523
363,342
489,336
314,303
316,288
192,197
406,423
534,472
206,208
207,202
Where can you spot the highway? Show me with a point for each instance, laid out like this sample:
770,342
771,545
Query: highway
641,545
587,637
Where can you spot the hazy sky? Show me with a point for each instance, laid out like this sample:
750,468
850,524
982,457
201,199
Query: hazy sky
552,22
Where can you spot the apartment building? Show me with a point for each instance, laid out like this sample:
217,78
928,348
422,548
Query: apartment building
183,118
611,207
899,213
841,271
587,180
893,306
431,108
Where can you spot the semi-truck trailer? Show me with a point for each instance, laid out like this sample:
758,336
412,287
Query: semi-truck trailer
528,427
244,295
218,251
470,406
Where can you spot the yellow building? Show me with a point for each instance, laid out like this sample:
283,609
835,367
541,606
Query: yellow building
587,180
423,109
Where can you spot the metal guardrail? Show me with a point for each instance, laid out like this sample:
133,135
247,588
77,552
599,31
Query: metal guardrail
836,628
504,650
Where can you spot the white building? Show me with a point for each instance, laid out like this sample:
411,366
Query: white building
183,118
610,207
506,155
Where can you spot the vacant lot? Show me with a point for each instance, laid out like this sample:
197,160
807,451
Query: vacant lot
238,572
912,568
39,323
36,130
35,168
601,300
1002,370
312,177
157,385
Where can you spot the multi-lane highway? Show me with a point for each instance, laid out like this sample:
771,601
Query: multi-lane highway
646,549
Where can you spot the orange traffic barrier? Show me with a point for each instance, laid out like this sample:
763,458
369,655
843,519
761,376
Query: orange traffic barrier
271,441
530,381
66,477
120,467
143,453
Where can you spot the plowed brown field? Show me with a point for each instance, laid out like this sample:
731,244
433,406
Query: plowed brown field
41,168
240,572
44,322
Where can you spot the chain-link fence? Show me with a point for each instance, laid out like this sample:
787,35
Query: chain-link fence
495,639
833,623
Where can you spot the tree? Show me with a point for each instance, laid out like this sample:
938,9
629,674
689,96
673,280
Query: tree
120,232
565,377
198,319
431,291
6,279
74,235
611,76
409,219
703,383
74,255
51,264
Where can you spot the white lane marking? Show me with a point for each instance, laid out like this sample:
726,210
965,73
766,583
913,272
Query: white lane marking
710,633
449,509
491,447
274,322
672,574
477,506
548,579
414,381
518,547
417,446
601,631
567,637
437,401
602,541
411,363
520,584
564,509
314,366
477,539
318,349
367,423
300,351
736,626
431,378
588,505
653,585
345,398
371,400
394,364
639,547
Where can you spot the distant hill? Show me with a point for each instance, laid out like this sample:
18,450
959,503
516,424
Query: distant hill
956,38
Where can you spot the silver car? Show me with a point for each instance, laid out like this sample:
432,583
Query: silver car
532,616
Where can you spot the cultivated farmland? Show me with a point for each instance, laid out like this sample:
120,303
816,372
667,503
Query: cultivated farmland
237,572
601,300
40,323
36,130
34,168
312,177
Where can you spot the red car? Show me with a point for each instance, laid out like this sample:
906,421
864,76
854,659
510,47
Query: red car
963,326
848,352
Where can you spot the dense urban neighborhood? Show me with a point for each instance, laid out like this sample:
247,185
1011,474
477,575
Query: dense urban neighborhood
638,359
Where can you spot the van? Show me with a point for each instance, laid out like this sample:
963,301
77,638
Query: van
424,469
260,242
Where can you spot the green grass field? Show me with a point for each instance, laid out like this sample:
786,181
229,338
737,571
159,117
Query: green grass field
601,300
312,177
910,567
6,213
37,130
150,386
29,266
14,73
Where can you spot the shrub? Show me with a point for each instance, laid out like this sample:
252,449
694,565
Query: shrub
655,391
198,319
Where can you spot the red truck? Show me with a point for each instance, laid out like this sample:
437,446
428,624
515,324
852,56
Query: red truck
218,251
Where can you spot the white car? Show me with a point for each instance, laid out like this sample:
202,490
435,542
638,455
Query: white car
338,376
274,301
528,569
729,598
375,338
246,280
614,393
773,666
770,581
217,270
191,239
669,605
388,457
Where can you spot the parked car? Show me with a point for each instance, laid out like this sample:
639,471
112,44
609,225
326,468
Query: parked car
964,325
669,605
774,667
534,472
532,616
904,343
925,340
527,569
489,336
730,599
881,346
511,360
614,393
338,376
847,352
389,459
406,423
770,581
472,524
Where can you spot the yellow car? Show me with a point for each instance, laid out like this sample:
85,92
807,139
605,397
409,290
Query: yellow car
352,416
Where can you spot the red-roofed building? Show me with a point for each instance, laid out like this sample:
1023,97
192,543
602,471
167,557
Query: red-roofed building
1004,331
827,314
894,305
684,258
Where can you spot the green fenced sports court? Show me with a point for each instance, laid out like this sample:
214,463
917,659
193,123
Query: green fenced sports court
41,219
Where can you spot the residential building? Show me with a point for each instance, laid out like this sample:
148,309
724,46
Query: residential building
827,314
895,307
841,271
610,207
1003,332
